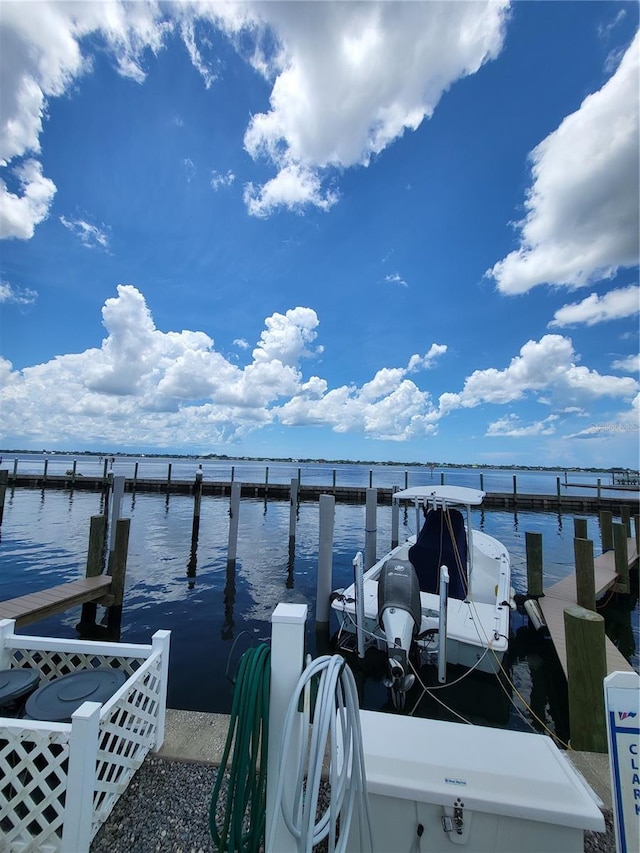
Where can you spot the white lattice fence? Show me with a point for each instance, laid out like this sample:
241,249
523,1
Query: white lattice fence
59,781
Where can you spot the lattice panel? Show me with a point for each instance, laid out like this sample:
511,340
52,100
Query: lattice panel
55,664
126,736
33,782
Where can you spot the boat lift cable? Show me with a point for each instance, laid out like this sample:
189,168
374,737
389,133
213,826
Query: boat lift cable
243,813
336,723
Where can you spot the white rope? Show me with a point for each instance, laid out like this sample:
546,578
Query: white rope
336,719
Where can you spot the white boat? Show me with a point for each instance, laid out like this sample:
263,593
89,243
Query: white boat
448,581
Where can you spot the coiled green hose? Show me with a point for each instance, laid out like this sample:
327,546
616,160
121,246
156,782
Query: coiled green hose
247,784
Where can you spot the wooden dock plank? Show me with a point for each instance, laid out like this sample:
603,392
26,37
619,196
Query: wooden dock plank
38,605
563,594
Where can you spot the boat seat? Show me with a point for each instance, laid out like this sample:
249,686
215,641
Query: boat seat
441,542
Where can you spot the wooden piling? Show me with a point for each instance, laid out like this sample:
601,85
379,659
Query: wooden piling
442,478
406,479
116,504
73,472
325,561
266,483
585,574
371,530
118,570
395,521
636,524
606,529
559,492
4,479
135,476
168,477
234,512
533,543
46,466
293,513
370,478
197,500
621,557
586,670
333,485
515,490
95,563
580,528
15,469
481,482
625,515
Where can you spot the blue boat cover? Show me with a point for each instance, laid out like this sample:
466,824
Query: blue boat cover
441,542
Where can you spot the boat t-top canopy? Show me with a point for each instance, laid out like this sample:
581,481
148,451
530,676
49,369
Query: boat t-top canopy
441,495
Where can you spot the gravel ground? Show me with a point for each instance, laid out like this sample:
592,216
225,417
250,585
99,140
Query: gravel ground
165,809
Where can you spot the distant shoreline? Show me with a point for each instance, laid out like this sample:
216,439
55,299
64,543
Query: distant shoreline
291,460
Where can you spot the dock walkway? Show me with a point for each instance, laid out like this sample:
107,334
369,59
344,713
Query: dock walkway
563,594
38,605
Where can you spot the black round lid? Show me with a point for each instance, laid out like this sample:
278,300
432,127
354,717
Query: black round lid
58,699
15,683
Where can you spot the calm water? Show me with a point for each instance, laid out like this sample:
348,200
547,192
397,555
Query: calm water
207,608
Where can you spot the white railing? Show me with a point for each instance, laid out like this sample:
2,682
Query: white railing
60,781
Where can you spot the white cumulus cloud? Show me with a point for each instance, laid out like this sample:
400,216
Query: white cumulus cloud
614,305
581,220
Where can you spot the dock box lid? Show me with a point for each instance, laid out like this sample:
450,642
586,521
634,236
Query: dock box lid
496,771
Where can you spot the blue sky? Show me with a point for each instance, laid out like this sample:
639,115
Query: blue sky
400,231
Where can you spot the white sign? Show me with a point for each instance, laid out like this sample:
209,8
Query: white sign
622,701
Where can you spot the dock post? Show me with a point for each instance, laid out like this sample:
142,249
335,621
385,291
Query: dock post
197,500
606,529
4,479
104,470
14,477
442,478
586,671
135,475
625,515
580,528
585,574
293,512
116,504
406,479
234,512
481,482
168,477
533,542
95,564
46,466
287,663
370,478
118,570
333,483
636,524
371,530
515,490
73,472
599,491
266,483
559,492
395,520
325,561
621,557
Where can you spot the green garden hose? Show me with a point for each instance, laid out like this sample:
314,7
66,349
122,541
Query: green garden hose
243,825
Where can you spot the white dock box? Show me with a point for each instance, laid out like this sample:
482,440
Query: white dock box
489,790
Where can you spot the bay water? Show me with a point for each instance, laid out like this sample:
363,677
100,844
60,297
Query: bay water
215,612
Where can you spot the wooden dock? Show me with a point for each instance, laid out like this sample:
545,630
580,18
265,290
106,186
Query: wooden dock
564,594
512,500
38,605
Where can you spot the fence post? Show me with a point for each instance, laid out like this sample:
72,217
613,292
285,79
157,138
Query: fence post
287,655
586,670
325,560
81,778
160,642
534,564
585,573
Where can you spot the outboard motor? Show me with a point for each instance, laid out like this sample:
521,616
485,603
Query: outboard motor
399,615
